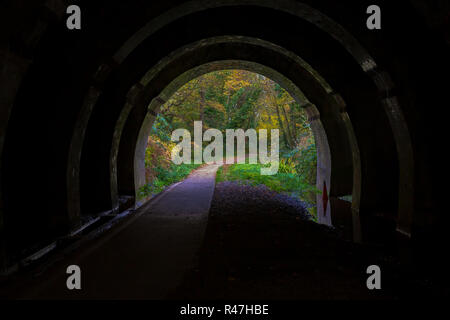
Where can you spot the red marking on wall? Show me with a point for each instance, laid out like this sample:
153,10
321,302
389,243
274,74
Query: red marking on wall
325,198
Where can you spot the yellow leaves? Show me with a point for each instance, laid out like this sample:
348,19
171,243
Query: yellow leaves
238,79
236,84
217,106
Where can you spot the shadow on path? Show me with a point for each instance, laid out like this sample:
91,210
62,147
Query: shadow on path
144,257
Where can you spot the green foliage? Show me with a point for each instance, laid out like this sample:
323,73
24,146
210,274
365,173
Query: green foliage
160,171
166,177
313,212
287,182
287,165
161,128
232,99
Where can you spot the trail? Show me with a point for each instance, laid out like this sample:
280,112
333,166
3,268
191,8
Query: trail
231,241
144,258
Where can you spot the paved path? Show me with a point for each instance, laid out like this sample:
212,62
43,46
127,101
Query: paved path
145,258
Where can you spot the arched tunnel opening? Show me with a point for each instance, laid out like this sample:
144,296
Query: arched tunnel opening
78,106
235,98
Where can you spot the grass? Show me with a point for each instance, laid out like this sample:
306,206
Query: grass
166,177
281,182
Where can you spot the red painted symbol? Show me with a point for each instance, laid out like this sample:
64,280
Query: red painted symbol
325,198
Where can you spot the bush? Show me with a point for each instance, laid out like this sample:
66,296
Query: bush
160,171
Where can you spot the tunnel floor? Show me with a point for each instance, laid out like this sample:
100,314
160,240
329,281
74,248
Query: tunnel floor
198,240
258,246
142,257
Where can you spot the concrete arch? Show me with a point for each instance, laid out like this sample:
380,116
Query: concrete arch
381,80
45,65
107,71
324,157
337,114
298,9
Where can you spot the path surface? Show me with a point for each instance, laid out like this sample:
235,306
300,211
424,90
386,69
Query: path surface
145,258
261,245
198,241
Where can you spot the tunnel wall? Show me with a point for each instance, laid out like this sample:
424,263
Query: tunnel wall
63,92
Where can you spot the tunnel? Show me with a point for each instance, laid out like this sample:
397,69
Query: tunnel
77,107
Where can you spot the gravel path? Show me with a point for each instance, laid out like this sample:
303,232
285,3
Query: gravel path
233,195
262,245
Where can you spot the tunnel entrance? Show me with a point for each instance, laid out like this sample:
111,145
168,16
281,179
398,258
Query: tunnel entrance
93,158
226,100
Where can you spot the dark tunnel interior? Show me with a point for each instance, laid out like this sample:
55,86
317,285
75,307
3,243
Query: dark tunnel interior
75,108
